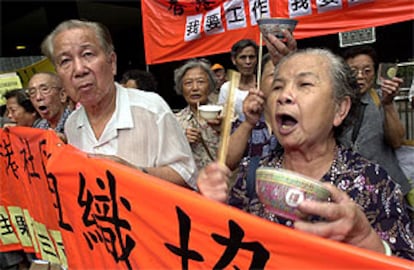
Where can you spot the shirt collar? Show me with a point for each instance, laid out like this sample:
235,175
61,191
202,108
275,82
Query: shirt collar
122,116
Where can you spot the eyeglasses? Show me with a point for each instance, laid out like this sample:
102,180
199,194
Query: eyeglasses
44,89
364,71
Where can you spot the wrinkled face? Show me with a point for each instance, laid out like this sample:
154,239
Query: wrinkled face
195,87
86,70
363,68
47,96
246,61
18,114
301,103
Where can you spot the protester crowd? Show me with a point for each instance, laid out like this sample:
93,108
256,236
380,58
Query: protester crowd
316,113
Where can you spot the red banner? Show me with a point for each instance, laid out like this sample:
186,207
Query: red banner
183,29
90,213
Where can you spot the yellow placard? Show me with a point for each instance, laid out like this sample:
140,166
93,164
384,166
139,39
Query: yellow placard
7,235
20,77
8,81
26,73
19,222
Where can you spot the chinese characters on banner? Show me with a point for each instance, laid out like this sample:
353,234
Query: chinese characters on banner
182,29
87,213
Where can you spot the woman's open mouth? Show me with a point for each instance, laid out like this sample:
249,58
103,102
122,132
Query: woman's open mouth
285,123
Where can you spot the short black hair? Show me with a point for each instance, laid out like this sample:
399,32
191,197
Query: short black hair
3,109
361,49
22,99
241,44
145,80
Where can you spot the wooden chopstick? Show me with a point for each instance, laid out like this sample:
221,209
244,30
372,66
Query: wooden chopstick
259,61
234,78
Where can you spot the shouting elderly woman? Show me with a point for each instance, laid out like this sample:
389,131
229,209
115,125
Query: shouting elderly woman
311,102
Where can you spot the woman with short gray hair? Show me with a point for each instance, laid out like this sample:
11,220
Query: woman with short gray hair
312,94
195,81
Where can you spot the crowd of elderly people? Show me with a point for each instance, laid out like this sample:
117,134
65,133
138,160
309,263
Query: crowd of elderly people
308,103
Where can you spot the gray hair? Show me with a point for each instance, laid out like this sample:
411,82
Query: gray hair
102,33
343,82
56,79
193,63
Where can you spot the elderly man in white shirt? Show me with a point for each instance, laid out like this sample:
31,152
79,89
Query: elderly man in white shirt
142,131
133,127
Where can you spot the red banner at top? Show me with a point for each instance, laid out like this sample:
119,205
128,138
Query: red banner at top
183,29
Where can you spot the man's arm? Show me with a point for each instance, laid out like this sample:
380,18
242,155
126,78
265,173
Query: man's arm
238,144
164,172
393,129
252,109
167,173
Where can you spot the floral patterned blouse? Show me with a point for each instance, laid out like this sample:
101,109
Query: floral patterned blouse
365,182
211,137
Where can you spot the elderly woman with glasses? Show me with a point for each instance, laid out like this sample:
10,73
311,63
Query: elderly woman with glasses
378,131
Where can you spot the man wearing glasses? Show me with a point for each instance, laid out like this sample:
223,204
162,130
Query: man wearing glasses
378,132
50,100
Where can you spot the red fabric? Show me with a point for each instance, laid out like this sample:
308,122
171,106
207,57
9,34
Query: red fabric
164,32
142,222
